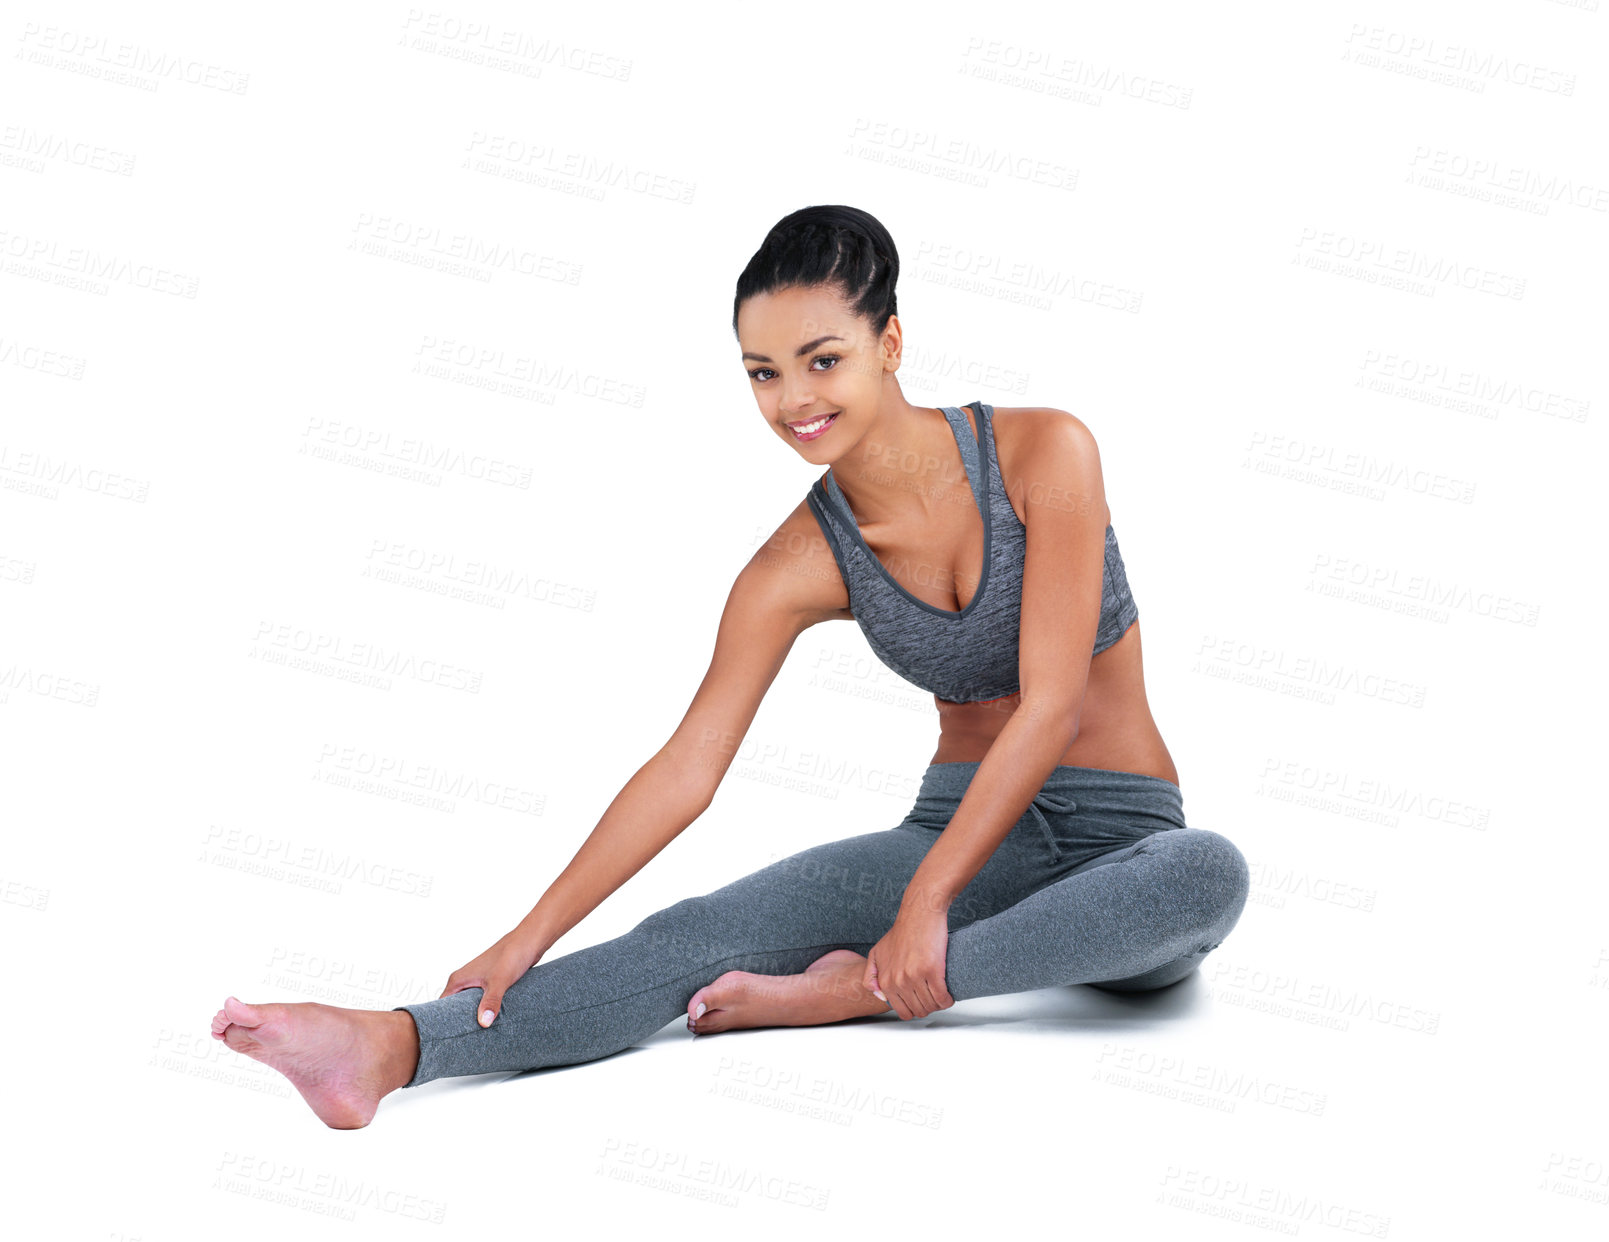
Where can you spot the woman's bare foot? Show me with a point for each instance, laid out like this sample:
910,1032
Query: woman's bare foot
829,990
343,1061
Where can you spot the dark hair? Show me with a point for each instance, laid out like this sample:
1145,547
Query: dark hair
844,247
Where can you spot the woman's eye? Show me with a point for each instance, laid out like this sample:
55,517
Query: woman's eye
759,373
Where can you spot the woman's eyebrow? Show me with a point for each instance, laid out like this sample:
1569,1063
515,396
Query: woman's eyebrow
798,353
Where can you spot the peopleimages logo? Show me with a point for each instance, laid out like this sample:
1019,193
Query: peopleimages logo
127,64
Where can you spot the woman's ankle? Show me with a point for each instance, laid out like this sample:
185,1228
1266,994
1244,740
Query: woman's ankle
399,1048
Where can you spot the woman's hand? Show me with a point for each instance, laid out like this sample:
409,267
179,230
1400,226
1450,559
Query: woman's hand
495,971
906,967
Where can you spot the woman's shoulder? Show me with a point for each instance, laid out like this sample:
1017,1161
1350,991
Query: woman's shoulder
1030,440
796,569
1029,420
1022,432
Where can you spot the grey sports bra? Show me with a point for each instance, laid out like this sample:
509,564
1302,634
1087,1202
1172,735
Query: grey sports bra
971,655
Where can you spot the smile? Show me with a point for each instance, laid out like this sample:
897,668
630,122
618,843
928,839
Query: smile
812,429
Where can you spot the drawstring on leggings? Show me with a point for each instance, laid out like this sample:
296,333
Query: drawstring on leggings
1057,804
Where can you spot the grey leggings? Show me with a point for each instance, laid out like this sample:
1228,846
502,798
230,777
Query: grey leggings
1100,882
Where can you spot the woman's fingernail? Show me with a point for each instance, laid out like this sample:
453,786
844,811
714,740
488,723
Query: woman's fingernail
879,996
486,1016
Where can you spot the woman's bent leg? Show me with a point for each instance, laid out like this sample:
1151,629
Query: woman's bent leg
601,999
1139,917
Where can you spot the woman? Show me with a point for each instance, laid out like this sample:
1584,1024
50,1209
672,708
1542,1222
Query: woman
1047,844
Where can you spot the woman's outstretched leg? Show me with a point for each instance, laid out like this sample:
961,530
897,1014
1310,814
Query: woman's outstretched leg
1135,918
604,998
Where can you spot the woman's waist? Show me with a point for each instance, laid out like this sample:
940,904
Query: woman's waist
1070,790
1140,753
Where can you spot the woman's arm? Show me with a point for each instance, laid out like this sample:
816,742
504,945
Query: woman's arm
780,593
1063,572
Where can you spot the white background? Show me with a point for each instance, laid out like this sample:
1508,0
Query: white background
1326,282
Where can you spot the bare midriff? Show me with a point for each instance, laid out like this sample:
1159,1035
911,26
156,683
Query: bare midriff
1115,729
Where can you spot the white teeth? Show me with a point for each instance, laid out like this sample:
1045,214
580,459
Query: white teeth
807,428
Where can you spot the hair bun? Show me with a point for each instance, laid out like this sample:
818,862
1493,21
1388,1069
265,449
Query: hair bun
836,245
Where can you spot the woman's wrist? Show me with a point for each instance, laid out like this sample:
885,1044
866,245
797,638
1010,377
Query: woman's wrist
534,933
922,902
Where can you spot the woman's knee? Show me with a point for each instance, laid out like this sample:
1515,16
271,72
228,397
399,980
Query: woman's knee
687,926
846,892
1207,875
1219,877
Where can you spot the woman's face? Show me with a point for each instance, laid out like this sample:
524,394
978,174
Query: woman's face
815,367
